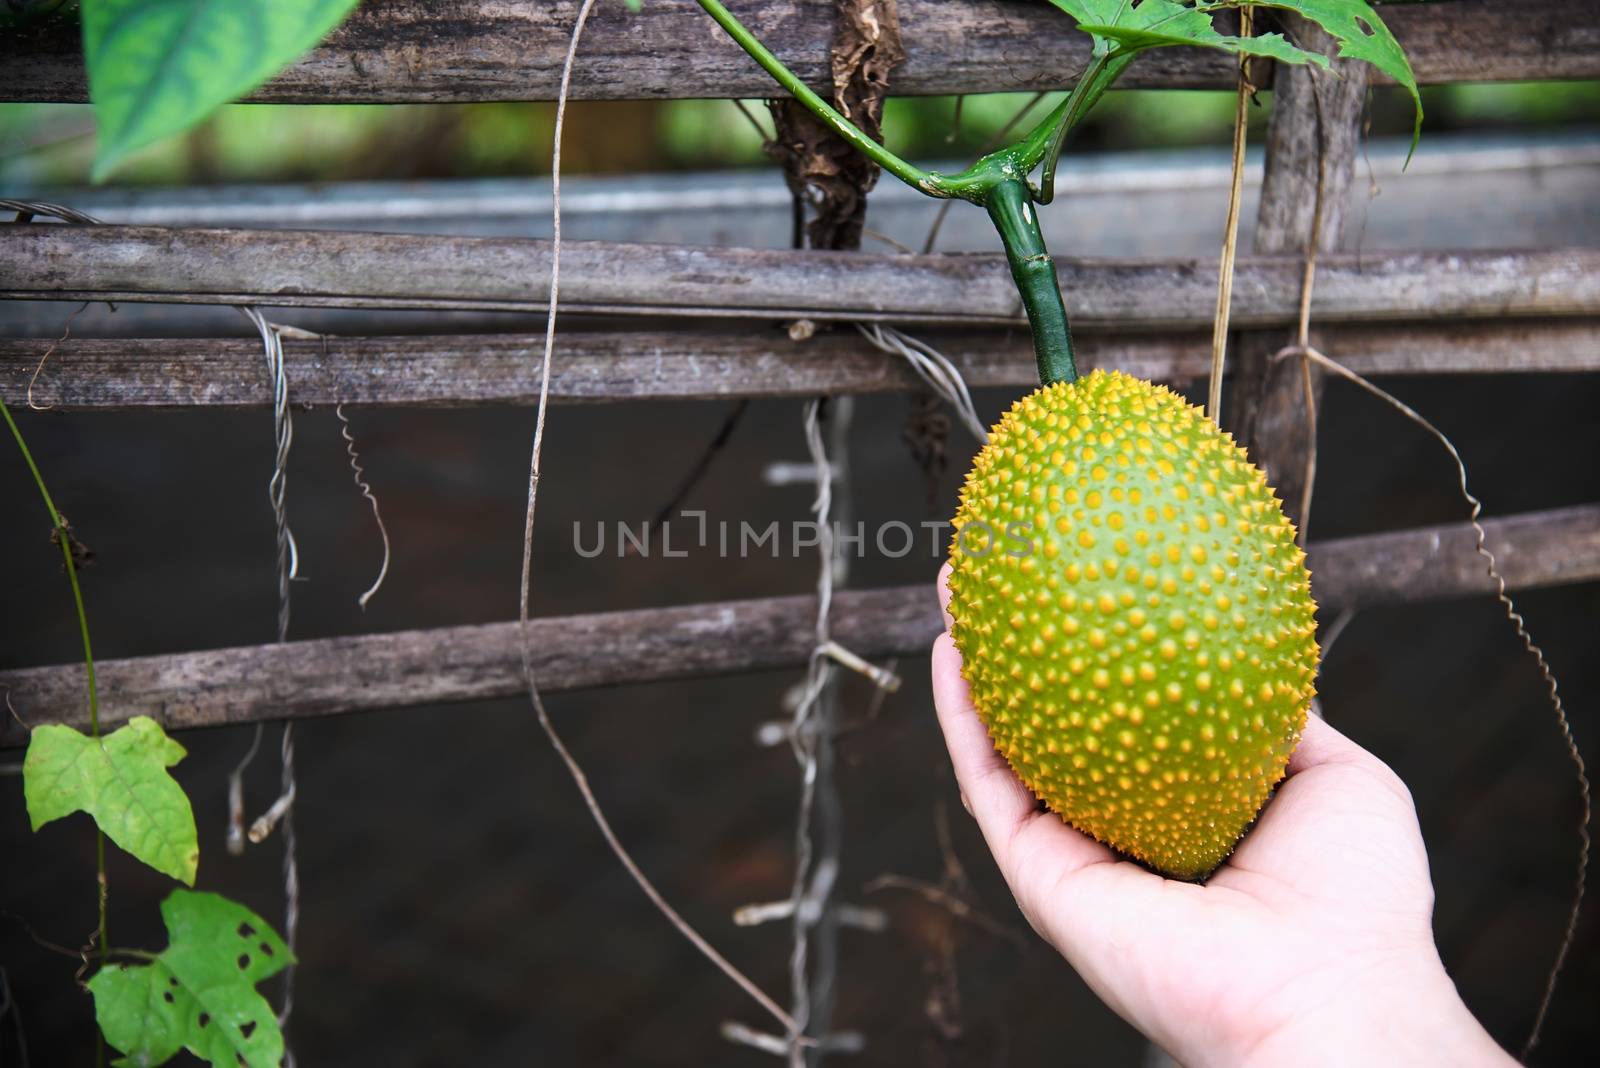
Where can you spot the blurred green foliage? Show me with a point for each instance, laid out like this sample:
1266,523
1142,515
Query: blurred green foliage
52,144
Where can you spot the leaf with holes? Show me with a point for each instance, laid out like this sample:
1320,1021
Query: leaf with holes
1128,27
1132,26
157,67
199,993
121,781
1361,35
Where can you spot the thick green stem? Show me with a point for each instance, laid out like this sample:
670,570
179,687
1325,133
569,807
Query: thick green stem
1011,208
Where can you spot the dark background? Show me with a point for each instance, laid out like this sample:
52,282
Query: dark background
459,906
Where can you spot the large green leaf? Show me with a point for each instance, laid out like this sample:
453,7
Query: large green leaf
121,781
1361,35
157,67
199,993
1133,26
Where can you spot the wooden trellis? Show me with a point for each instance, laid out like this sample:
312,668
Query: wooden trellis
401,51
1428,312
473,663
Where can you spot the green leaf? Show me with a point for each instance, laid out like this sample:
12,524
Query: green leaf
199,993
121,781
1361,35
1131,26
157,67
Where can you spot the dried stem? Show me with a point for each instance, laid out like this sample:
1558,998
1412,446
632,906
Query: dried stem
702,463
66,332
1230,239
1303,333
949,902
360,476
567,759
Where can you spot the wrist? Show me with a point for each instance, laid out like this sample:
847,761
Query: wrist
1396,1011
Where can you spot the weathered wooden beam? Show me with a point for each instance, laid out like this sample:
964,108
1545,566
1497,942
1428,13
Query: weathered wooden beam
1557,547
1159,202
377,671
327,676
1493,346
350,269
393,51
695,364
498,369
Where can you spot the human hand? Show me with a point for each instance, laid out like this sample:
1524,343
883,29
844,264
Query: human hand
1312,944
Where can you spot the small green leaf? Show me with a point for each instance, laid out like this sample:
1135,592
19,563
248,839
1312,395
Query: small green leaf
157,67
1361,35
634,5
121,781
142,1010
199,993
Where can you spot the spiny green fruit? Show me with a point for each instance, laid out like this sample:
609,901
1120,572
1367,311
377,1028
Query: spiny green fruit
1134,618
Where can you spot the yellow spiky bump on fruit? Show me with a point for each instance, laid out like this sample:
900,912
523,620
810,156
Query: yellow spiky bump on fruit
1134,617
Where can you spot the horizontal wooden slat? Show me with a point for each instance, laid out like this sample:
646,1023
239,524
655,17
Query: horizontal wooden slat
1153,202
1548,548
333,675
465,370
1134,204
349,269
458,50
1494,346
328,676
694,364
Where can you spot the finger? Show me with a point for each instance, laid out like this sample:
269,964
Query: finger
993,793
1322,744
1072,889
1016,830
943,583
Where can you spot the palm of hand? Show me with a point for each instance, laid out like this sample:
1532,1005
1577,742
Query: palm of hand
1323,911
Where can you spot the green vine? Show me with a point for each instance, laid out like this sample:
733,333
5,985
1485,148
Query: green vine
997,182
1121,30
152,1010
63,535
